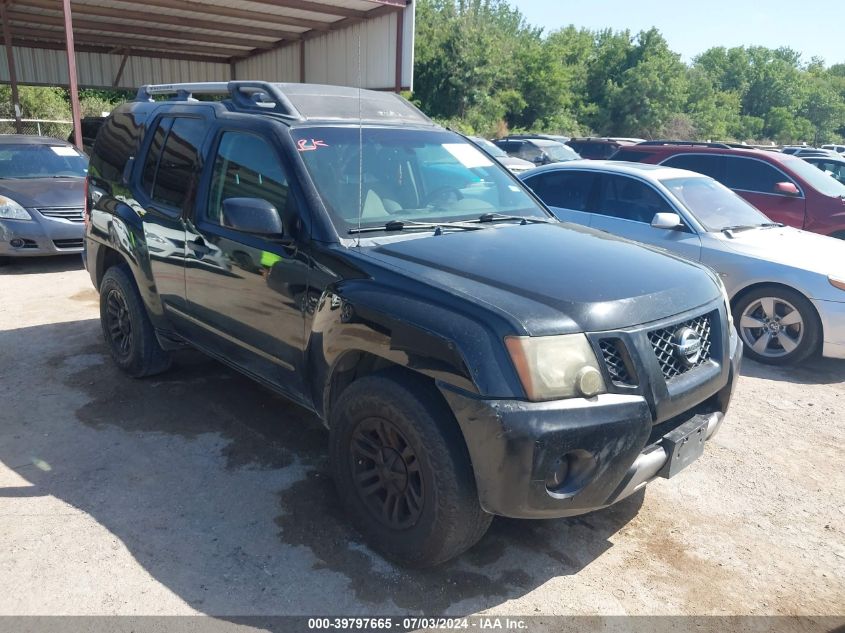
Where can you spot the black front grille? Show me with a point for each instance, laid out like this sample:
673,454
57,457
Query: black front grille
74,214
74,243
665,344
613,352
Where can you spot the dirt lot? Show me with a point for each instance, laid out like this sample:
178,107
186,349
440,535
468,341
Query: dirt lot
200,492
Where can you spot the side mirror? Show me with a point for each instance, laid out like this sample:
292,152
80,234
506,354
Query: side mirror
668,221
787,189
252,215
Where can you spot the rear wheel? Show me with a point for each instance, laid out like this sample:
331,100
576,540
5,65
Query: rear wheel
127,328
402,469
777,325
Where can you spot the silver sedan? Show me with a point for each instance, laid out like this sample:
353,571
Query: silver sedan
786,286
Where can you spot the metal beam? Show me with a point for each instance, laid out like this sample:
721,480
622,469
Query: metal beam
113,40
400,27
116,29
10,60
226,12
153,17
119,74
315,7
110,50
76,111
302,61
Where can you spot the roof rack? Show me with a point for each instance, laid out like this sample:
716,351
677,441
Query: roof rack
692,143
246,95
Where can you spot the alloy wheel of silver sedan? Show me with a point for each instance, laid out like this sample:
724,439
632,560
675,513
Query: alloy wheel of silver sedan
772,327
777,325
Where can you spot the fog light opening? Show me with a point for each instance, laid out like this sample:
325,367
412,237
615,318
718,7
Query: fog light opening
570,473
16,243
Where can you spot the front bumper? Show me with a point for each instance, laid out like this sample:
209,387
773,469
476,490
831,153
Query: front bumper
614,446
832,315
40,236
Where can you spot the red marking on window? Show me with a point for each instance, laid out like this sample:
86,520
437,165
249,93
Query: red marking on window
305,145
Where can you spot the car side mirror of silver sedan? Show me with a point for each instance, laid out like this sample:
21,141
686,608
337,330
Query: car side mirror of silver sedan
668,221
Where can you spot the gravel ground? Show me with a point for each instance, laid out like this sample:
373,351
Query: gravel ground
199,492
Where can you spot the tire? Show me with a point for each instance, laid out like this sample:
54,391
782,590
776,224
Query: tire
437,516
126,327
793,337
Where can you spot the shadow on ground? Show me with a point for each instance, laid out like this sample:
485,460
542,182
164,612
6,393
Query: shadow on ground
815,371
219,489
36,265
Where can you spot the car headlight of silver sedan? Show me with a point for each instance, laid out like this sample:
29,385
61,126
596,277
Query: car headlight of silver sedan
553,367
11,210
837,282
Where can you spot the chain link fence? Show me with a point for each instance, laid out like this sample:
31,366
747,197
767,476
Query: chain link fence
38,127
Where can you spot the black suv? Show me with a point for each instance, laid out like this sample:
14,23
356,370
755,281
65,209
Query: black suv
469,354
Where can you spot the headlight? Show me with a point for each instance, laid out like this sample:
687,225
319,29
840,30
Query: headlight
552,367
837,283
11,210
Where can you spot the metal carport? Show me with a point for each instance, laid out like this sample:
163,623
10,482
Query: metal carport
123,44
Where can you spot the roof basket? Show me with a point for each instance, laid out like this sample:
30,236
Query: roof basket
258,96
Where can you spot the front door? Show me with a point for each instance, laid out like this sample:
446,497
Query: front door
246,292
626,206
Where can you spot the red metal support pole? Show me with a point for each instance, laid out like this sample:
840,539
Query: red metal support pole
76,111
400,28
302,61
10,59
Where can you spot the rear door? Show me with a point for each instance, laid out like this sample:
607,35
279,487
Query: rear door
755,180
566,192
626,206
168,177
246,293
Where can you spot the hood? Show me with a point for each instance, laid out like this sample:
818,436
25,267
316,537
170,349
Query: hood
45,192
555,278
791,247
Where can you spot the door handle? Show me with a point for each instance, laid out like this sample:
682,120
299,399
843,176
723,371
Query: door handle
199,247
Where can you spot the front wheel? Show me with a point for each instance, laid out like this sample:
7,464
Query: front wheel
777,325
126,327
403,472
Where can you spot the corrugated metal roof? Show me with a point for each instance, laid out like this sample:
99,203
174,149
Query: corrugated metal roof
169,41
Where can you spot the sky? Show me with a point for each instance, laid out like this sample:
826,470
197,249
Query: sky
813,29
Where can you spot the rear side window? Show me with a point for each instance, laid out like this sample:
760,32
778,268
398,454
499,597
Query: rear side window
709,165
631,155
564,189
117,142
170,168
748,174
629,199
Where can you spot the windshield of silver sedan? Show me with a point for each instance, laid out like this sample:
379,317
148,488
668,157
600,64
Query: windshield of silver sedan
715,206
392,177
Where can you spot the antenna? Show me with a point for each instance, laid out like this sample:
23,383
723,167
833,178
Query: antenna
360,145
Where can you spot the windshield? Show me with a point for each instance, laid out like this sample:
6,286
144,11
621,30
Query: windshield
560,152
715,206
41,161
490,147
407,176
816,178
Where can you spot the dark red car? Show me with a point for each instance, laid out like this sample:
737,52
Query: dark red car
787,189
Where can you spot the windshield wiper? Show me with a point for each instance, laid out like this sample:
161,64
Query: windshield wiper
501,217
402,225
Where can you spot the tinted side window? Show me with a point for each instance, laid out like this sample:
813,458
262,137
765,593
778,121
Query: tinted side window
529,151
708,165
116,143
630,199
246,166
153,155
749,174
176,176
564,189
631,155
